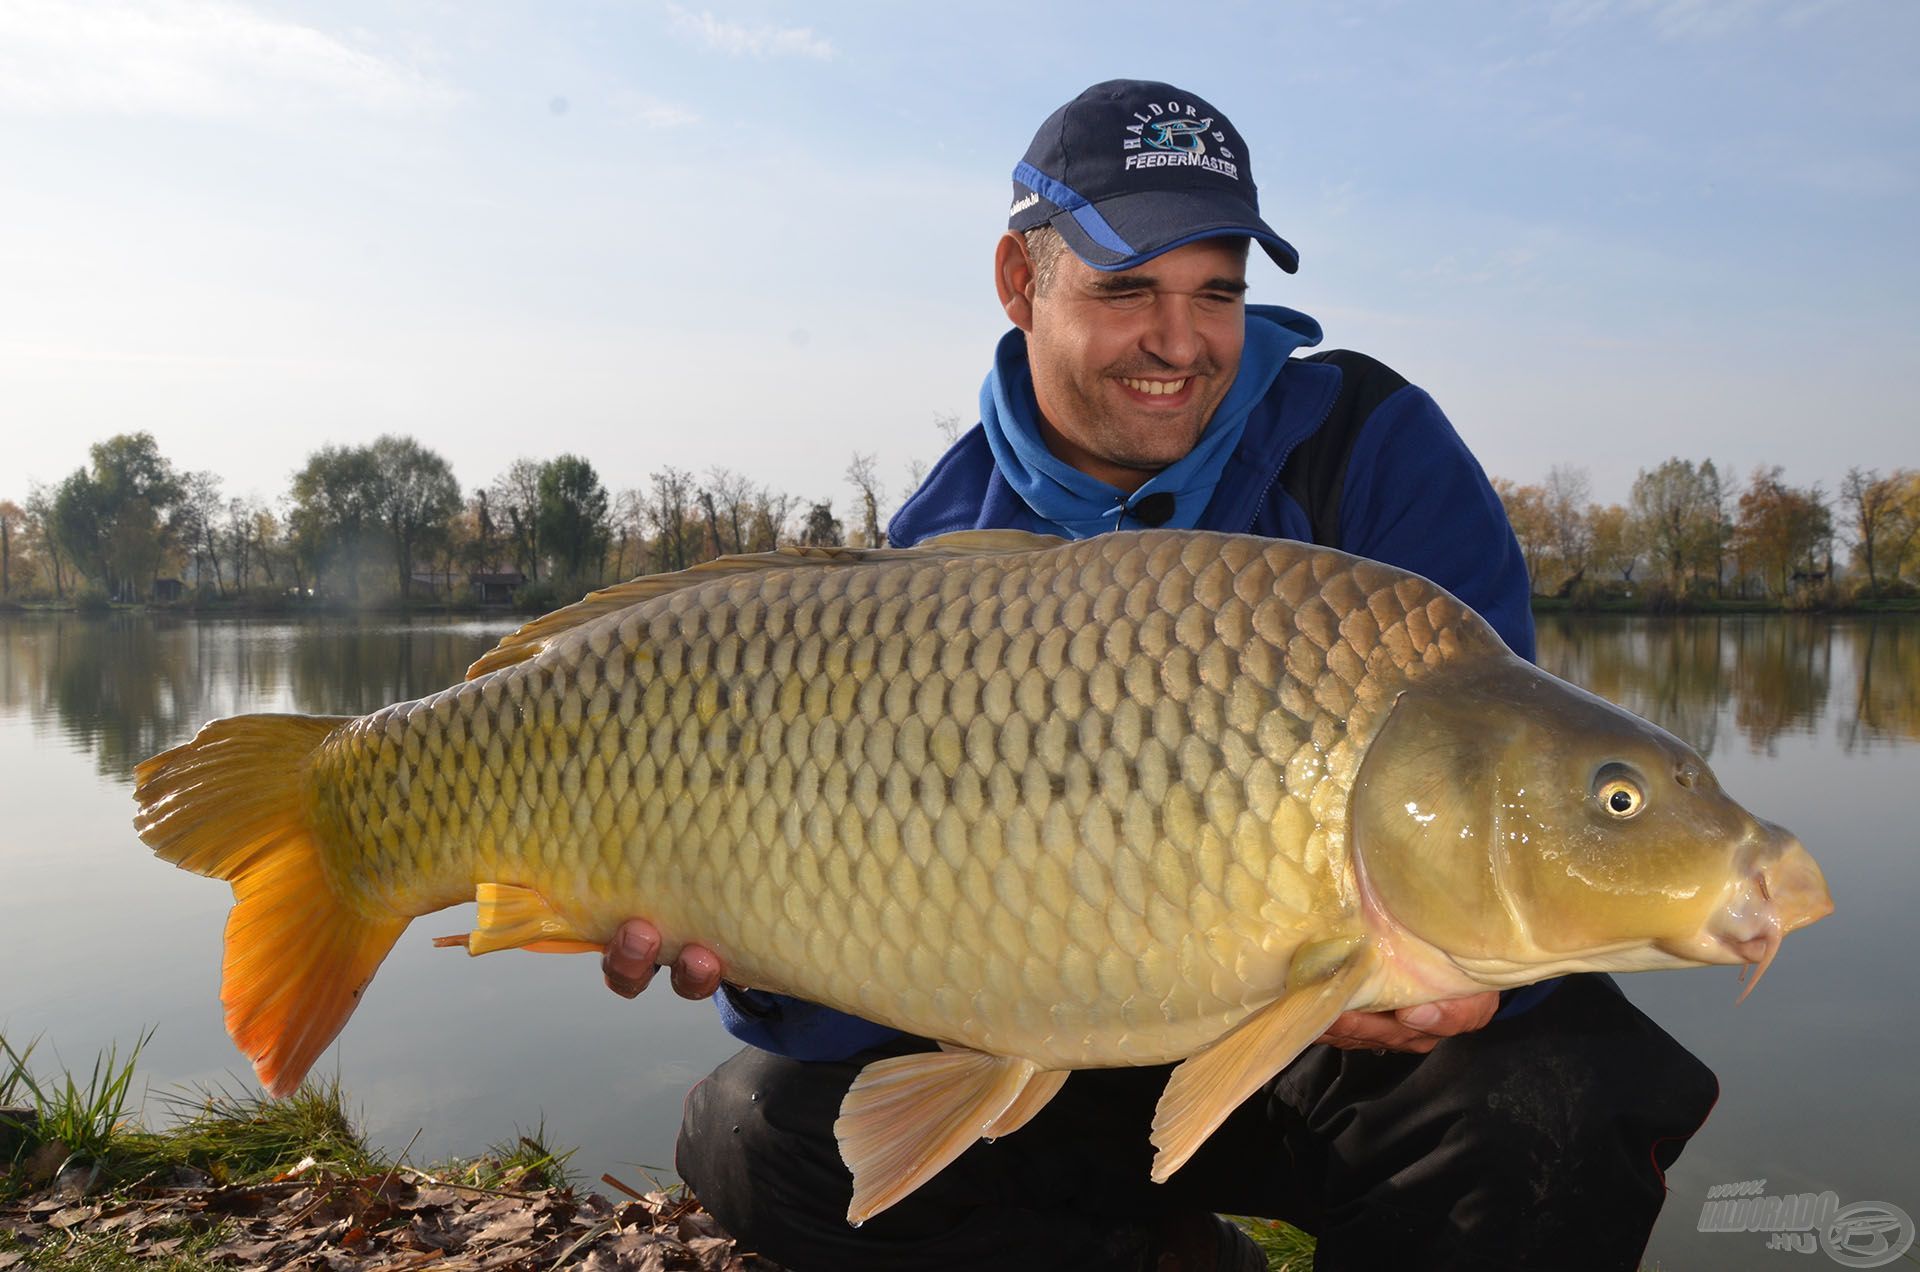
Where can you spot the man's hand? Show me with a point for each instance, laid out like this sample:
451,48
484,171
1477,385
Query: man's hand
1411,1028
628,963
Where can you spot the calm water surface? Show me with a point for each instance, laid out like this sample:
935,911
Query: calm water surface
1813,723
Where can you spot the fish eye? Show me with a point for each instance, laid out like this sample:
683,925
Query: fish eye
1618,792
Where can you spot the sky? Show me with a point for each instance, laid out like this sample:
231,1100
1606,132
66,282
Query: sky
759,236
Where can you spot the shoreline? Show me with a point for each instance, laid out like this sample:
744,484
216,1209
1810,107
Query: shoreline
1869,608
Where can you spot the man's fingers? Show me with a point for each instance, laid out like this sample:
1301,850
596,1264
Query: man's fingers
1375,1031
696,973
627,963
1414,1029
1452,1016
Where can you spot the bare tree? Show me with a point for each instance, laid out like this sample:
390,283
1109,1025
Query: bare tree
863,475
950,425
669,510
1567,493
513,502
199,514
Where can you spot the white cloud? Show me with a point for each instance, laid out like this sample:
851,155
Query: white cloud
760,40
654,112
200,58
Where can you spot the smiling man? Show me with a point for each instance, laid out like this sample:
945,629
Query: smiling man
1138,388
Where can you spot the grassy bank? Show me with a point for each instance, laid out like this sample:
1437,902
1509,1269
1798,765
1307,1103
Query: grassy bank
235,1179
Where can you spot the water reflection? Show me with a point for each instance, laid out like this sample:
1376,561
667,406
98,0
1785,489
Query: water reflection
1778,674
122,687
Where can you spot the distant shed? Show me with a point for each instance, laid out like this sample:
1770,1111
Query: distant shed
496,588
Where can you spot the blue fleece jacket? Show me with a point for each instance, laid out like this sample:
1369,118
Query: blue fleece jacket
1415,497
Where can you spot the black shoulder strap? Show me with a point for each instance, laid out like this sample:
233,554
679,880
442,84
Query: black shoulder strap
1315,474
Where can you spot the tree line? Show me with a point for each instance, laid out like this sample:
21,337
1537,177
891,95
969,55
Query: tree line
1689,532
388,519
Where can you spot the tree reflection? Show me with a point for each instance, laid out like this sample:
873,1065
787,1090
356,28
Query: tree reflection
1783,669
1779,674
1671,671
1886,697
124,687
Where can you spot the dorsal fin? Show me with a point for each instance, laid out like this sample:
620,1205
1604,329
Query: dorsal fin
528,640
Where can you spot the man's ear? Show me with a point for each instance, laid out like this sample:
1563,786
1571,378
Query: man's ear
1013,276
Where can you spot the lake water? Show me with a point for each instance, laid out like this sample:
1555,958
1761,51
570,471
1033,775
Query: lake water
1814,723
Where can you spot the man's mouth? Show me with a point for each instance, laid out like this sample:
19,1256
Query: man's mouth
1156,388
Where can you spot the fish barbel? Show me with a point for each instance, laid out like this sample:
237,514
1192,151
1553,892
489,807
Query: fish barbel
1167,795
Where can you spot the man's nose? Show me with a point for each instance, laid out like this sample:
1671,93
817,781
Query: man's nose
1173,337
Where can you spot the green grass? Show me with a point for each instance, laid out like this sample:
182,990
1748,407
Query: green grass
84,1252
235,1136
231,1137
1287,1248
74,1122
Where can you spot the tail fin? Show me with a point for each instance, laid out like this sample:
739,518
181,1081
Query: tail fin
231,804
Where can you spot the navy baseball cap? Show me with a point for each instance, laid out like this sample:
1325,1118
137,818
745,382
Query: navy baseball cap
1133,168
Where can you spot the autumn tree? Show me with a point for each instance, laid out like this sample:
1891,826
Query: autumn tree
40,532
1615,541
1882,518
1527,513
1680,518
1564,500
1781,529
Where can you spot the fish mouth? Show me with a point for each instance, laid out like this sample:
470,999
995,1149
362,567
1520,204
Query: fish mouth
1782,894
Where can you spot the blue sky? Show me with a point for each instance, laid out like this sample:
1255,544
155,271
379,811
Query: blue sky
1601,232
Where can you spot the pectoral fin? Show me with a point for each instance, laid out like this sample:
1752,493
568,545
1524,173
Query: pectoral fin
515,918
1211,1083
905,1118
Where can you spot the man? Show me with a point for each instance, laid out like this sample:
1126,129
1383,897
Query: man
1138,388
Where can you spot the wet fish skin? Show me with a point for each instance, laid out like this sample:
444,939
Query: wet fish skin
1132,799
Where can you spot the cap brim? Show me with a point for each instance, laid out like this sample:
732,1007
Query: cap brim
1149,223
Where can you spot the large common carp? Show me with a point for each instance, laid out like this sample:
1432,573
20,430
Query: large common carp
1148,797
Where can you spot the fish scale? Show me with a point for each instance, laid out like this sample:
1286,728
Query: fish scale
1131,714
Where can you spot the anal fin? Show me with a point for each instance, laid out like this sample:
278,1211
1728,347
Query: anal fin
512,917
1211,1083
907,1117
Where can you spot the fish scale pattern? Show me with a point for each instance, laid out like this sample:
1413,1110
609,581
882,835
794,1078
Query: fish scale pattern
1078,804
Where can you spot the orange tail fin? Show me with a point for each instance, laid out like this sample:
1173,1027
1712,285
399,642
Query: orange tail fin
231,804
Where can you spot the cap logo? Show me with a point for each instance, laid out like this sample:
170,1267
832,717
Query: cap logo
1173,135
1022,204
1179,134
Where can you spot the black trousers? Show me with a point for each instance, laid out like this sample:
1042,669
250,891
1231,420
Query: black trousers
1536,1142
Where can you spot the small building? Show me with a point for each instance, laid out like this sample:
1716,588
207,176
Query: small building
168,591
496,587
432,584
